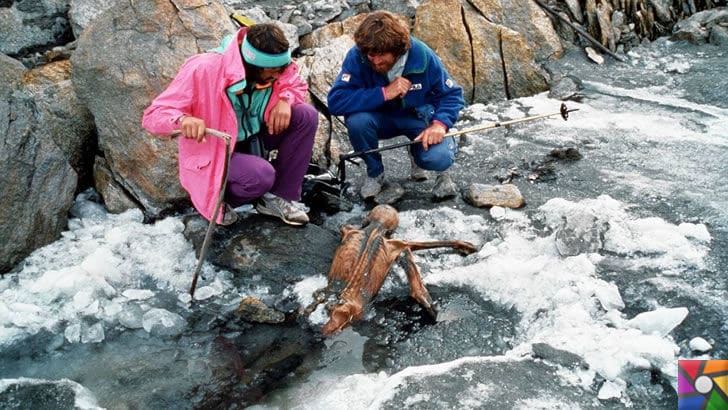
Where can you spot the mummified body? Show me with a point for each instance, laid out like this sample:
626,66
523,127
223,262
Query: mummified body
361,264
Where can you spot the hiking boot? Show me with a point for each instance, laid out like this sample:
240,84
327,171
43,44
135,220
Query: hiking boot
287,211
416,173
372,186
229,216
444,186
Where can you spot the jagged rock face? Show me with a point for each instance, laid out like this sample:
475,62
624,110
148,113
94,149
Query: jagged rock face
620,26
45,130
440,25
489,77
710,26
491,54
526,18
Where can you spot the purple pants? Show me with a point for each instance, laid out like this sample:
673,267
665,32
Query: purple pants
250,176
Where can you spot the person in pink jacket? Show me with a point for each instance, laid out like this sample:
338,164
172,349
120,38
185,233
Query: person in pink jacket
250,89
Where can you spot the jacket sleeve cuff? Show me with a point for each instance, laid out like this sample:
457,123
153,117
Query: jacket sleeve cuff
384,94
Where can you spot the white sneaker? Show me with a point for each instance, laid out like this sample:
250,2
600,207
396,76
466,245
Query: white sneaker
287,211
372,186
416,173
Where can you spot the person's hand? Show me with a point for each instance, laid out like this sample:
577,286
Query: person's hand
279,117
397,88
431,135
192,127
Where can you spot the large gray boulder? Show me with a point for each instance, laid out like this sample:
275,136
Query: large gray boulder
46,136
705,26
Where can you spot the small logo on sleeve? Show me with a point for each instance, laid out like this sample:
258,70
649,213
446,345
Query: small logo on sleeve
346,77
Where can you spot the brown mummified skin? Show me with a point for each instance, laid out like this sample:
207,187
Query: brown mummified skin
363,260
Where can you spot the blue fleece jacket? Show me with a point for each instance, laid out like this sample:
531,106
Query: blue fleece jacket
359,88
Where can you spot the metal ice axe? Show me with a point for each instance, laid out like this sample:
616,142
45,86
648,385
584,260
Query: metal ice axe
218,204
563,111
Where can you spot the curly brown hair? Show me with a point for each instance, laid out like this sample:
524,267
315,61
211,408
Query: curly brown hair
382,32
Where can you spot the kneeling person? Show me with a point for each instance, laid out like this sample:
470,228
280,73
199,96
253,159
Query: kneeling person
393,84
248,88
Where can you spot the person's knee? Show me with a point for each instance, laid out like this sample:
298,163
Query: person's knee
266,178
305,114
258,179
439,162
438,157
359,121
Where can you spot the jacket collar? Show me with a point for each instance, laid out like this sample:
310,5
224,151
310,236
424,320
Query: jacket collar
233,70
417,59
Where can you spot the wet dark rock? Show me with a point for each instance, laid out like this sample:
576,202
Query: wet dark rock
391,192
43,394
264,340
567,88
254,310
650,386
569,153
545,169
264,251
444,187
247,365
402,334
561,357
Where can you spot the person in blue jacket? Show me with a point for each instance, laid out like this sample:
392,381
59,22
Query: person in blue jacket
393,84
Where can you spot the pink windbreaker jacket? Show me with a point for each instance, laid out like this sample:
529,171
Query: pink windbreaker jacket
199,90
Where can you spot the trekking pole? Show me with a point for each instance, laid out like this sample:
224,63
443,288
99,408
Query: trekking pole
213,220
563,111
